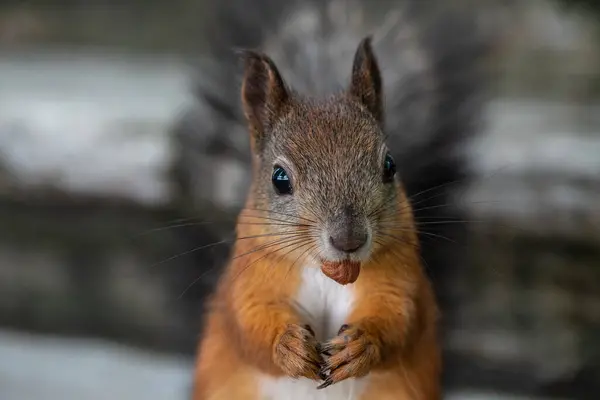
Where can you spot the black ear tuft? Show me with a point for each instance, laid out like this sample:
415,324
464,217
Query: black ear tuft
366,79
263,92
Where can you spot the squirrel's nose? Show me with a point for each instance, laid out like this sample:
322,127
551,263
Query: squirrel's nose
348,243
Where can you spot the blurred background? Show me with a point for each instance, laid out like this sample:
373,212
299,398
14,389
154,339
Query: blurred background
101,290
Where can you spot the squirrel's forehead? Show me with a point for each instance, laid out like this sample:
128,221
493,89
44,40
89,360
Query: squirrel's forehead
331,133
330,152
323,117
330,145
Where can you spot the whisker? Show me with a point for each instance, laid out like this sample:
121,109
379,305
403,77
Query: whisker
301,242
437,187
445,184
180,225
286,233
314,215
297,258
423,223
398,239
278,242
224,241
192,251
444,221
400,256
194,282
425,264
268,218
263,247
213,267
302,254
438,217
382,207
272,224
186,222
416,210
281,213
426,233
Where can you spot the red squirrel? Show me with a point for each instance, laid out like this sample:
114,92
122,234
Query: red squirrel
325,295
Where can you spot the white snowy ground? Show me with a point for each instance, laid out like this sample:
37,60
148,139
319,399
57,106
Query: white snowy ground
36,367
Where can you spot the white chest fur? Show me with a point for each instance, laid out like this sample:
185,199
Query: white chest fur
324,305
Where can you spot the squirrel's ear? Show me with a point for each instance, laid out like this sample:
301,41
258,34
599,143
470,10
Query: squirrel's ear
263,92
366,79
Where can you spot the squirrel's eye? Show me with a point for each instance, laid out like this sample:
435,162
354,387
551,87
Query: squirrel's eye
281,181
389,168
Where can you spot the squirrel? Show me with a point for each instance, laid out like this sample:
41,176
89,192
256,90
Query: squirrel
326,295
334,290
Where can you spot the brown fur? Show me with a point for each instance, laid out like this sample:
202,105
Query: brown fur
333,150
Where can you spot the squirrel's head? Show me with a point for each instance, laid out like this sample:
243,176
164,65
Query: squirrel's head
321,169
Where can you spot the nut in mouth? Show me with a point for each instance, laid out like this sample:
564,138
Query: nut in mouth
343,272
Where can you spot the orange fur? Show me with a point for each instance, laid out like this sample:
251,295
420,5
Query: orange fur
395,313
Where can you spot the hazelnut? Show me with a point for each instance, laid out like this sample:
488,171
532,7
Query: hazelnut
343,272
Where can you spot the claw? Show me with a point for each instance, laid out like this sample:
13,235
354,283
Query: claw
326,348
308,328
322,374
328,382
320,350
337,367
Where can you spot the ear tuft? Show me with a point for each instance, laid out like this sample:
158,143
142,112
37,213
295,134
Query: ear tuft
366,83
263,92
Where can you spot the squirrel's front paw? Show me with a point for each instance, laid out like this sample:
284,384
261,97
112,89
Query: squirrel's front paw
296,352
350,354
